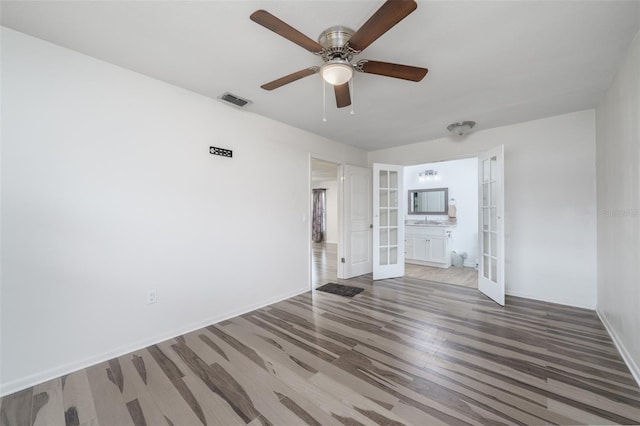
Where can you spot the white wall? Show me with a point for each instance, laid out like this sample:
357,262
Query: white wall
108,190
550,201
331,211
618,160
461,178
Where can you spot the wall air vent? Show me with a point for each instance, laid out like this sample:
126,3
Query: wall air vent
234,100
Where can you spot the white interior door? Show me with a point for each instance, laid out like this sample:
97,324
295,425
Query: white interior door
354,250
491,224
388,221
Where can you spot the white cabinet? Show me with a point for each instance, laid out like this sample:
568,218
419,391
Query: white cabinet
427,245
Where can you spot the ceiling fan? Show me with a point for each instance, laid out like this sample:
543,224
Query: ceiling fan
338,45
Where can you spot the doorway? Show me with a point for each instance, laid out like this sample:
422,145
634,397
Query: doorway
324,209
457,264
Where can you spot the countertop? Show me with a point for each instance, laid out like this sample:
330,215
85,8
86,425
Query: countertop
447,223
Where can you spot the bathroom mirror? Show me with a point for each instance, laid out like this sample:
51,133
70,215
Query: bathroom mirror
429,201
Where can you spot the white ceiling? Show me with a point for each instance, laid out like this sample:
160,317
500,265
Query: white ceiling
495,62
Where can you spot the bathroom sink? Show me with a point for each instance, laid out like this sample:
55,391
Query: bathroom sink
425,222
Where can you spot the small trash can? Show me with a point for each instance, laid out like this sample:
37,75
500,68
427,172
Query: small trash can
457,259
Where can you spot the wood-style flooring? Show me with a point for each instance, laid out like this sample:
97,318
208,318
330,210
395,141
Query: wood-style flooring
324,269
463,275
324,264
404,351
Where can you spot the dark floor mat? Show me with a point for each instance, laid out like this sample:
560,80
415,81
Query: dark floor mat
339,289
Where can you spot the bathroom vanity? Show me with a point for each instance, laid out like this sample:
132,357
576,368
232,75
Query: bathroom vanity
427,242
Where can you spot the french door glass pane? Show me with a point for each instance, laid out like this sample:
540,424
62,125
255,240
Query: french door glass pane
485,243
383,256
384,198
494,268
384,217
393,255
494,246
485,219
485,266
393,198
393,216
494,220
393,236
384,240
485,194
492,196
393,179
384,180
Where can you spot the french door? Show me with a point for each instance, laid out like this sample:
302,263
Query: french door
388,221
491,224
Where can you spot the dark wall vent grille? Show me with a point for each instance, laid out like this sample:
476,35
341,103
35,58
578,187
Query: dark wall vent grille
234,100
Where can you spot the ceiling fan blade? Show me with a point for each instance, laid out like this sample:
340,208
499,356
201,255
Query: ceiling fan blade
343,97
388,15
278,26
290,78
405,72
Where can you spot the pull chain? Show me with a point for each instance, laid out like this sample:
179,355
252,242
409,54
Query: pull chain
352,96
324,101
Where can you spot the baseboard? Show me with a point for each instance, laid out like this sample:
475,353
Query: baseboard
44,376
626,356
542,299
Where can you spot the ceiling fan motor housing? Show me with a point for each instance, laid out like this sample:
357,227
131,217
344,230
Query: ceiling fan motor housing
334,41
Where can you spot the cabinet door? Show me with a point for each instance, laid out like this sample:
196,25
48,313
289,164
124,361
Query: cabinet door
408,247
420,247
437,249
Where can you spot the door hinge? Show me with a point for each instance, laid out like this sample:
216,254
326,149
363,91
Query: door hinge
342,259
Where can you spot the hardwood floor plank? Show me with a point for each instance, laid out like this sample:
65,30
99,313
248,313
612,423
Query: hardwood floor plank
138,362
79,404
16,408
412,415
135,411
175,376
111,409
52,411
135,388
166,396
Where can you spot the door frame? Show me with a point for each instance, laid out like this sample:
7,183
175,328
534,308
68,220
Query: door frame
308,216
464,156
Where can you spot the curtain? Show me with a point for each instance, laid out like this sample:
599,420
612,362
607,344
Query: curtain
318,221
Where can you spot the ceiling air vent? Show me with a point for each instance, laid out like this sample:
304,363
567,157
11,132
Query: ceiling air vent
234,100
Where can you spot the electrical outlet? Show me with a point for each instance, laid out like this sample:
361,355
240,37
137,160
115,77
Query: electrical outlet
151,296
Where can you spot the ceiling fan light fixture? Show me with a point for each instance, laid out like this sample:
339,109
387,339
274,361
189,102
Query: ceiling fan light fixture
337,72
461,128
